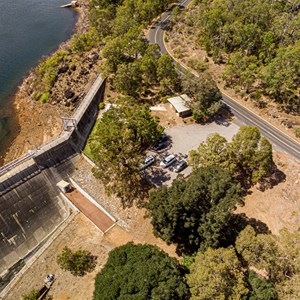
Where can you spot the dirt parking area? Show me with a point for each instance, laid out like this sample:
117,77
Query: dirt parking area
183,139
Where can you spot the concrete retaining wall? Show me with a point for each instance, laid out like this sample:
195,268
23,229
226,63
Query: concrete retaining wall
31,206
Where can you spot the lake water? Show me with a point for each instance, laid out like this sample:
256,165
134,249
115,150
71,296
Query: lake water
29,29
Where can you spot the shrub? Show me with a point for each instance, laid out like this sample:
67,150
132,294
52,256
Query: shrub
297,131
44,97
32,295
37,95
101,105
78,263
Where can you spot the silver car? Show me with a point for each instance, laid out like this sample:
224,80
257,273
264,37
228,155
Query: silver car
182,164
148,161
167,161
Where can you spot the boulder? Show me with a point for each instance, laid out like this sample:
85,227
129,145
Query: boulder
69,94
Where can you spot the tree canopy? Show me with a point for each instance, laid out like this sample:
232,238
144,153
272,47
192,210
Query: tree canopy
197,211
140,272
259,42
249,156
118,143
204,93
217,274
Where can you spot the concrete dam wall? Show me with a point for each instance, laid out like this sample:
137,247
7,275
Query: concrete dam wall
30,203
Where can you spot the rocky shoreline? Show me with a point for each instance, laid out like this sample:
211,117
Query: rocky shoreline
38,122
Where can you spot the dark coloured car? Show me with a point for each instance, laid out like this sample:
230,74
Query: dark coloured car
158,146
182,164
160,143
162,138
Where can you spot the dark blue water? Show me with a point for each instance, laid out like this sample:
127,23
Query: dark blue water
29,29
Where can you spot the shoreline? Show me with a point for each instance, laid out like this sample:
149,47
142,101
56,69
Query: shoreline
32,122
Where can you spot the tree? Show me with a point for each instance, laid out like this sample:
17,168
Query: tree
205,95
78,262
249,156
253,154
128,79
262,252
166,72
149,62
260,288
194,212
217,274
118,143
140,272
241,70
216,151
281,77
124,48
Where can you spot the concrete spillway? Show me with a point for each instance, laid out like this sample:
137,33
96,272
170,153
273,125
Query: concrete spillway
28,213
30,203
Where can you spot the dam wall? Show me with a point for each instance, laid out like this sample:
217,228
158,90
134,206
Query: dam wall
31,206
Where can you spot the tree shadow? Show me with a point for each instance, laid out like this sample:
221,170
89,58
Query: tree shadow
268,183
222,120
157,176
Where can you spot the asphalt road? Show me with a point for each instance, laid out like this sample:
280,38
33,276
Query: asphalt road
279,139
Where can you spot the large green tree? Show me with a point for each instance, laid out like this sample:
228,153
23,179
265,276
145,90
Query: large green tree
140,272
260,288
128,79
248,156
204,93
262,252
216,151
118,143
217,274
253,154
197,211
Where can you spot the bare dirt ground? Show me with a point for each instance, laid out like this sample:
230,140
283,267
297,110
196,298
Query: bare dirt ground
278,207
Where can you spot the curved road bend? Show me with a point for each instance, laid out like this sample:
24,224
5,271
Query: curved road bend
278,138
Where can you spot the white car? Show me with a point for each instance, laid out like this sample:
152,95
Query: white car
148,161
167,161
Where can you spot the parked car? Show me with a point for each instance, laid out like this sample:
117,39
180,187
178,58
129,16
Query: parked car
158,146
162,138
148,161
167,161
182,164
160,143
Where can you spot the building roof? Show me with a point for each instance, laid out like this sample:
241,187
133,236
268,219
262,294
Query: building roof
63,184
179,103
